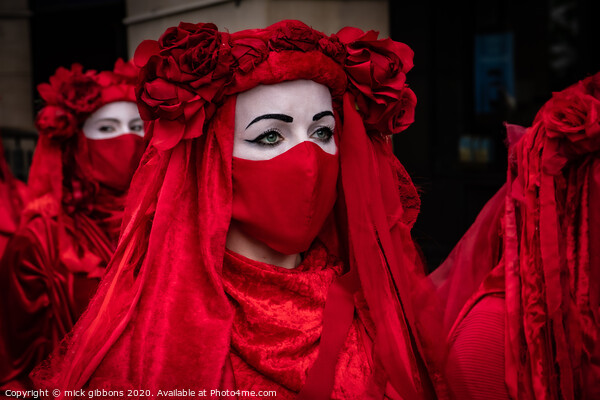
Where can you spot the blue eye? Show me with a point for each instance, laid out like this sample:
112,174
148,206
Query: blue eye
323,134
269,138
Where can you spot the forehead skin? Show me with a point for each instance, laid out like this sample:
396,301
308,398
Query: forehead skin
299,99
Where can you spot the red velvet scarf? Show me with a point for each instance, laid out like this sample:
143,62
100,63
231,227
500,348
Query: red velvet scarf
277,325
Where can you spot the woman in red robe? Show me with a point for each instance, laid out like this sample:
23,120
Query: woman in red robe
91,140
288,267
523,285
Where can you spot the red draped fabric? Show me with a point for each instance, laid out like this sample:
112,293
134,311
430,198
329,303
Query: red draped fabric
48,275
542,263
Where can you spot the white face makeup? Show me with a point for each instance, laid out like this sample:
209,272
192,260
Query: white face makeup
112,120
271,119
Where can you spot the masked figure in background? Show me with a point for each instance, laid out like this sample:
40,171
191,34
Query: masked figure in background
90,143
13,194
522,287
266,243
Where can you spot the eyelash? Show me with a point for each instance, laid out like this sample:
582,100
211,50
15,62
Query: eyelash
259,138
263,135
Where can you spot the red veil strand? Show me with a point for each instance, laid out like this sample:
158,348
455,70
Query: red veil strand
161,319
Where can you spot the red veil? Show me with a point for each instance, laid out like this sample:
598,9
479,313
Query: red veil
535,245
161,319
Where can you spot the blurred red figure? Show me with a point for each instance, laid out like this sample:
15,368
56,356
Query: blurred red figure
523,285
90,143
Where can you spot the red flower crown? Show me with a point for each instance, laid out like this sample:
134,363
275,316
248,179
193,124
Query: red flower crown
192,67
72,95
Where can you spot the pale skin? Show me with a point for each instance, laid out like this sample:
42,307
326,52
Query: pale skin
112,120
269,120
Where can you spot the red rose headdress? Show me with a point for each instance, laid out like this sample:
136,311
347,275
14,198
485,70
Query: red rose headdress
72,95
163,293
192,67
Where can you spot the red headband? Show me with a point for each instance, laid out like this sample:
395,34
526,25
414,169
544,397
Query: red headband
192,67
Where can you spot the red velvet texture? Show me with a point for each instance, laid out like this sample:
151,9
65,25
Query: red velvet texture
547,269
69,227
161,318
277,326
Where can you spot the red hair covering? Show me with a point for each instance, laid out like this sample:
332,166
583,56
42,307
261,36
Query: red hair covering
161,318
535,244
69,227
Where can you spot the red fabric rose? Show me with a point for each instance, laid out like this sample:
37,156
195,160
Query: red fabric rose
392,117
574,115
195,54
248,53
292,35
186,35
377,73
72,89
178,110
56,123
333,47
377,68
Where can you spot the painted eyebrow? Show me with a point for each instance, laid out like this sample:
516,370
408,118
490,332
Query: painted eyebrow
321,115
113,120
281,117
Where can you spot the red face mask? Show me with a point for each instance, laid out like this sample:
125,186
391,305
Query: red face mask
284,201
115,160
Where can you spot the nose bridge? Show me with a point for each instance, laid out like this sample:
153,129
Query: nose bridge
299,133
123,127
